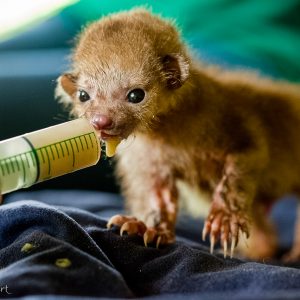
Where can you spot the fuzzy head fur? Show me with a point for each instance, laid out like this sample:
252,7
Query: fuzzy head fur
120,53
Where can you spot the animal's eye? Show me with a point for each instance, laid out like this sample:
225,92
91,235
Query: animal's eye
136,96
83,96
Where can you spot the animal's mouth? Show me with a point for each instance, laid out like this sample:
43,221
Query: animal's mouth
110,136
106,136
110,140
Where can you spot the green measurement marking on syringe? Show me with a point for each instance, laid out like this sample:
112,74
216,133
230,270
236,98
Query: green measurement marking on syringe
15,163
25,161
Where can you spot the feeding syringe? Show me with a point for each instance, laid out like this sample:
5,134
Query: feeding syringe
47,153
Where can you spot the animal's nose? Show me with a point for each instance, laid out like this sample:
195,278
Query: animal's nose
101,122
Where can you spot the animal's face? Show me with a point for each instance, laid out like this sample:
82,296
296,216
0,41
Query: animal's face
126,69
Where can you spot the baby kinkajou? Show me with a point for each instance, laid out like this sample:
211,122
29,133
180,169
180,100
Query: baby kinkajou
233,134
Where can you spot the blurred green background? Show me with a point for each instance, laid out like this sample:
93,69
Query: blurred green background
257,33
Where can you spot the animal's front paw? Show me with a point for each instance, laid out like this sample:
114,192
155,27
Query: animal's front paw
225,225
159,236
127,224
131,225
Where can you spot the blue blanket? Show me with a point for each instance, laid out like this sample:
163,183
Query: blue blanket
57,245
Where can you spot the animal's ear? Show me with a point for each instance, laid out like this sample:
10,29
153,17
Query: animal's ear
66,88
68,83
175,70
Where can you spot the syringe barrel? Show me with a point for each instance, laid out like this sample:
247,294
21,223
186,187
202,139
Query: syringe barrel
47,153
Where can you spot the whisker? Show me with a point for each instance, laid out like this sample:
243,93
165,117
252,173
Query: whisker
61,117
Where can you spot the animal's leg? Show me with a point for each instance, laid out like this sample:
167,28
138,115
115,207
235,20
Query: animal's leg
231,206
157,221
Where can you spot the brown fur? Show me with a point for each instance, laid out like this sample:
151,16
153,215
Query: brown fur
233,134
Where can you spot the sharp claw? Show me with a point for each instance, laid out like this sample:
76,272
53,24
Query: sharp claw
245,230
111,222
204,233
149,236
245,236
158,241
233,242
115,220
145,240
122,231
125,228
212,244
109,225
225,248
